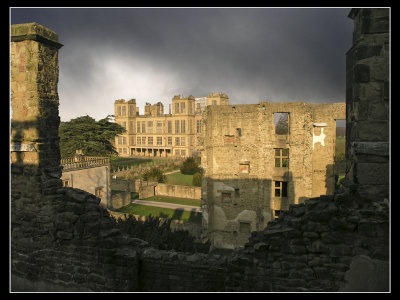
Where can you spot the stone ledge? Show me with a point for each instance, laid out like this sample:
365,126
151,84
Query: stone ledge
34,32
374,148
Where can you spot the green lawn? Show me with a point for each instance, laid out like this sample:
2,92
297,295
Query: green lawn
183,201
179,179
144,210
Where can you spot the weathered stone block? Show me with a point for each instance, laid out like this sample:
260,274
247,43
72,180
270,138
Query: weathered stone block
375,25
361,73
62,235
367,51
373,173
373,130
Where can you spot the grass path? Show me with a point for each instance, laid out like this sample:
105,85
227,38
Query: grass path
182,201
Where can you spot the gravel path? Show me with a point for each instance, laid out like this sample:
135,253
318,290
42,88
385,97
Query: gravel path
168,205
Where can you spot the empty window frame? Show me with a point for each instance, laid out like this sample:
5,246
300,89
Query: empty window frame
281,122
123,111
281,158
66,183
280,189
183,107
226,197
239,131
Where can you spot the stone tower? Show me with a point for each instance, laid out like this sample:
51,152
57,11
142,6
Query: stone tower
367,104
35,153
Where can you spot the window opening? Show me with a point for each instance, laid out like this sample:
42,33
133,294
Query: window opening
281,122
239,131
281,158
226,197
244,167
280,189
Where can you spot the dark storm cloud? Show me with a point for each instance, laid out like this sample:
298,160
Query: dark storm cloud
252,54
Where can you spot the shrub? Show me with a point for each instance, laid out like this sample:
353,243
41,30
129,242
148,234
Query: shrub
189,166
159,234
154,174
196,179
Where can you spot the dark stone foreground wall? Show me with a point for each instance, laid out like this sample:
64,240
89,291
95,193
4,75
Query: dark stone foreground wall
63,240
311,247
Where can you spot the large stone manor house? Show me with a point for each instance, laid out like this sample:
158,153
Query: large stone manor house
157,134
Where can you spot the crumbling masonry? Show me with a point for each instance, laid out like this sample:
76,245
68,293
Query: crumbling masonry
61,239
255,167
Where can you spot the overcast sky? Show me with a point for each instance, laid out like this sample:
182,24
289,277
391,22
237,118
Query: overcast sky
152,54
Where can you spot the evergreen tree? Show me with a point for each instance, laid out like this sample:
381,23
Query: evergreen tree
190,166
91,136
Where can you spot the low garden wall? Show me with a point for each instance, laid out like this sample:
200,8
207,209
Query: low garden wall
180,191
120,200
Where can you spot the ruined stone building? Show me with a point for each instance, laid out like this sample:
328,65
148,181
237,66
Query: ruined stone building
259,158
164,135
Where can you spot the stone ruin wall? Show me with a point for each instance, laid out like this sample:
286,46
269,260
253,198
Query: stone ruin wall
244,135
61,238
